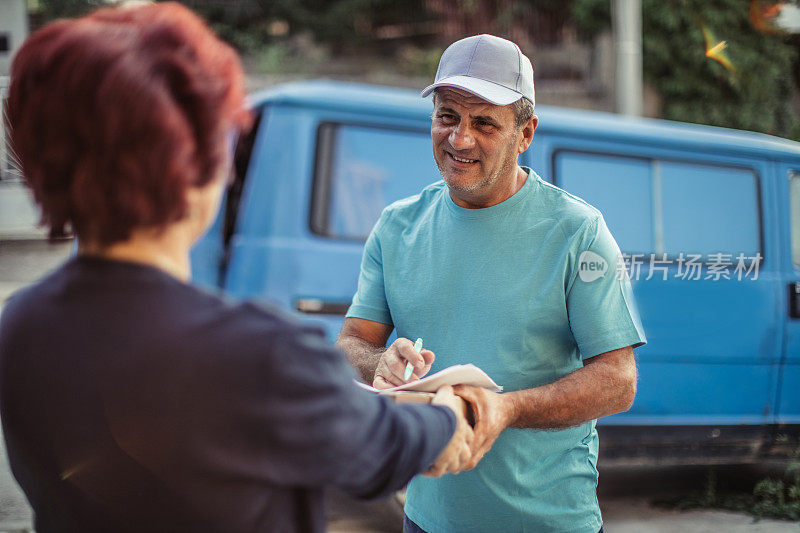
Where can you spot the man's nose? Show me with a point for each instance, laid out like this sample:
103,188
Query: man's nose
461,137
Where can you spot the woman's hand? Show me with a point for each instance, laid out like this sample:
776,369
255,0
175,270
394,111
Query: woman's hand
458,452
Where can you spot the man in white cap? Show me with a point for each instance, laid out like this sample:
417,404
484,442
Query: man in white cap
497,267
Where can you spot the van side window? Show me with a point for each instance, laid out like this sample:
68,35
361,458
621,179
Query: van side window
362,169
708,209
667,207
620,187
794,202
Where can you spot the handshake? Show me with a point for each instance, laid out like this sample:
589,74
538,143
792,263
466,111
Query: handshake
492,412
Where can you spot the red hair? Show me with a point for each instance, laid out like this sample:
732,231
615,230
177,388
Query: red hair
113,116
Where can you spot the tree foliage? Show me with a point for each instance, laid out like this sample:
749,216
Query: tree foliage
757,91
754,94
339,23
47,10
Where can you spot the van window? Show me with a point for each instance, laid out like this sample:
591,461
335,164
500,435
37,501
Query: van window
794,201
709,209
667,207
620,187
362,169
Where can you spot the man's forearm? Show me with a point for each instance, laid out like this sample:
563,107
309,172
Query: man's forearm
363,355
598,389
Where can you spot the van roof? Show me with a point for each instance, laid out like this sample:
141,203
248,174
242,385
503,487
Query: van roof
373,99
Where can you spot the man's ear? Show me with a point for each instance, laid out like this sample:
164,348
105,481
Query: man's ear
527,130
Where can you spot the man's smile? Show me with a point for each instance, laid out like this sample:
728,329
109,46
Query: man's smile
461,159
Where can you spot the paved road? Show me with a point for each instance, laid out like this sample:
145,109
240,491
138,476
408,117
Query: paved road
15,515
625,493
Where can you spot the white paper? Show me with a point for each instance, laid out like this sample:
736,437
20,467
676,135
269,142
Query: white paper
454,375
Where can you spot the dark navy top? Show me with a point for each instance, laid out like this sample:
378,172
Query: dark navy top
131,401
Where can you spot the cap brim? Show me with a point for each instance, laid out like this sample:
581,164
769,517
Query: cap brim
487,90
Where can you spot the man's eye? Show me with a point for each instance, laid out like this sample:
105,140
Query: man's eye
446,117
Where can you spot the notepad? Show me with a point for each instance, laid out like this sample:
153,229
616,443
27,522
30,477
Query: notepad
454,375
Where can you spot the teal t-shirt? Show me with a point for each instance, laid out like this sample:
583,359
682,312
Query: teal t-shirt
518,289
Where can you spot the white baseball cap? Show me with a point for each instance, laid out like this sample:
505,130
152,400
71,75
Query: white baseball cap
487,66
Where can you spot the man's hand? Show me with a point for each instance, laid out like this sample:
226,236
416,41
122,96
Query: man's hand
493,414
458,451
392,365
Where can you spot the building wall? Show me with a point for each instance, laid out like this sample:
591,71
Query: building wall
13,30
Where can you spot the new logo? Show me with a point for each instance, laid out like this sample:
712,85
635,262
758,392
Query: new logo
591,266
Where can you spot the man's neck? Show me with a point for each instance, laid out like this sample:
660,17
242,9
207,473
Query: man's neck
476,201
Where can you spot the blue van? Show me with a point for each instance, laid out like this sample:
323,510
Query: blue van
709,220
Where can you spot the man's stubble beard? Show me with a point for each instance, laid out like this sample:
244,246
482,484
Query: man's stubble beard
469,188
488,182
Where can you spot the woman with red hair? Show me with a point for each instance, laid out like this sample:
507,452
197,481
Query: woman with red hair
131,400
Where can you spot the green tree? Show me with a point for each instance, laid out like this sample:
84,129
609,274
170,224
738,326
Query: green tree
339,23
754,94
43,11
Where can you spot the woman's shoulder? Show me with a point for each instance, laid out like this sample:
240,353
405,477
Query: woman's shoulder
244,327
28,302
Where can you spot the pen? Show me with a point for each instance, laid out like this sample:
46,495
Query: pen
409,366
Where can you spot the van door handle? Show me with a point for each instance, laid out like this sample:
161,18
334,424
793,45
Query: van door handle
316,306
794,299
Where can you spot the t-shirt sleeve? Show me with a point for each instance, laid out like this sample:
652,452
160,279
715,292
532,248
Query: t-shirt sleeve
296,418
600,304
369,302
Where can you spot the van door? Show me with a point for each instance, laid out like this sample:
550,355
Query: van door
317,185
789,212
703,274
360,167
